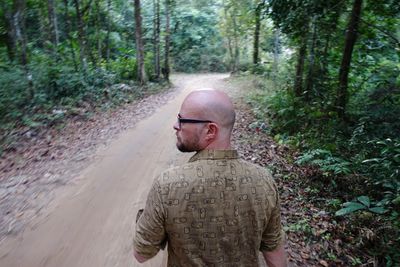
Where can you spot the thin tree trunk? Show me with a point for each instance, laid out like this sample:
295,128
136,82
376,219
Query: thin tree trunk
236,44
275,66
21,40
9,35
108,31
167,41
139,44
310,74
98,30
67,32
257,33
52,15
228,36
81,36
351,38
156,39
298,83
19,28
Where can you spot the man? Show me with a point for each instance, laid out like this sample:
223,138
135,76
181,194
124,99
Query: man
216,210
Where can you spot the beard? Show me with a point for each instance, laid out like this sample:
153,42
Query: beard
188,145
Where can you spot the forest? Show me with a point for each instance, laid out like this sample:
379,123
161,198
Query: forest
327,72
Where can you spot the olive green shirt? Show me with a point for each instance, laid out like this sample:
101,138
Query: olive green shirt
216,210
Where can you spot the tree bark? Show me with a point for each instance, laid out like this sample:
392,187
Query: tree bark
311,61
19,29
298,83
351,38
81,36
98,30
108,31
275,66
67,32
236,44
256,43
156,39
52,15
21,40
9,35
166,69
139,44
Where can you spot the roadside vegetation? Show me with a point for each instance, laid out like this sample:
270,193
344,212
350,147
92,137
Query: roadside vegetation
334,98
325,84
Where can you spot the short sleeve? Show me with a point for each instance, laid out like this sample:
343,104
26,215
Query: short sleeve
150,231
273,234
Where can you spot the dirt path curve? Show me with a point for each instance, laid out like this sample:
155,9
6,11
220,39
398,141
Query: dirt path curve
91,222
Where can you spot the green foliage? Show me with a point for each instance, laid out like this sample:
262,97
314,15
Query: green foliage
325,161
13,94
197,45
124,67
362,203
301,226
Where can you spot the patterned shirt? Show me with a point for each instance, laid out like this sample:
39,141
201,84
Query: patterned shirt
216,210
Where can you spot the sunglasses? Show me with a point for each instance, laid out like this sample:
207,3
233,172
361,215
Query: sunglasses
184,120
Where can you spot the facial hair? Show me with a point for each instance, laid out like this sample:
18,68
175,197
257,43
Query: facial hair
189,145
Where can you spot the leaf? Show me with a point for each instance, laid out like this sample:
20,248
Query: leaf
351,207
364,200
371,160
379,210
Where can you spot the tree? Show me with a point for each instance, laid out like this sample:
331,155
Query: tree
52,15
18,25
8,35
351,38
166,69
258,10
139,44
81,33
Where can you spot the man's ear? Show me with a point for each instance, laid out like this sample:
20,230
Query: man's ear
212,131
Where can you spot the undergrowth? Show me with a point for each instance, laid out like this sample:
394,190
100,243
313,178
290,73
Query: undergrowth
357,161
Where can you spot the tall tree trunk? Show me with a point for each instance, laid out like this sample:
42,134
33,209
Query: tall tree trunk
81,36
298,83
275,65
351,38
139,44
19,29
98,30
166,69
311,61
108,31
9,35
21,40
228,36
52,15
67,32
156,39
236,44
256,42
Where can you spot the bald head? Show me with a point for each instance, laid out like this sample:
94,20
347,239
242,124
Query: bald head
213,105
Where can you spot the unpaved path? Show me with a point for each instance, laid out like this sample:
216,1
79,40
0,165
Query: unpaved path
91,222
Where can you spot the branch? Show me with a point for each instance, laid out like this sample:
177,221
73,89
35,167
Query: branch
397,41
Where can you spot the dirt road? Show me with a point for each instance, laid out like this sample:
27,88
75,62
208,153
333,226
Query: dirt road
91,222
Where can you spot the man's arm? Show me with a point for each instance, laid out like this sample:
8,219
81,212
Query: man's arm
276,257
139,257
150,233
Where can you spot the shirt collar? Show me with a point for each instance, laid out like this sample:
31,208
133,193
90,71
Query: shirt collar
214,154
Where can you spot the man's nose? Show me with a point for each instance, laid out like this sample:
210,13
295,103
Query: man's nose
176,126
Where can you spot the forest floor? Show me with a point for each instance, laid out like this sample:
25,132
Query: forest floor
33,171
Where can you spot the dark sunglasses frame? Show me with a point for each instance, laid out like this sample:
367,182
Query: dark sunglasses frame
184,120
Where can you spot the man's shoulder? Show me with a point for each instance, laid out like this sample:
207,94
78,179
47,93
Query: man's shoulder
254,168
188,169
176,172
